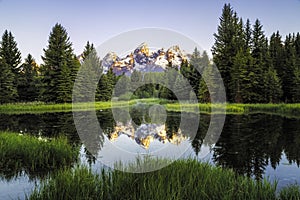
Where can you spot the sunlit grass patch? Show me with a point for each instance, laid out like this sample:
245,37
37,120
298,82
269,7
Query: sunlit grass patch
31,154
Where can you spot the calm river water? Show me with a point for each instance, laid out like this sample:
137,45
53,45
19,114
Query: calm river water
257,145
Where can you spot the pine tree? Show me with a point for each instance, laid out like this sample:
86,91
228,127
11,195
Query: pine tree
11,56
168,79
261,61
10,53
191,73
242,77
28,82
273,86
240,84
225,47
87,50
204,60
207,82
289,67
8,89
135,80
248,35
60,67
210,89
296,82
182,88
104,88
276,52
196,59
106,85
121,87
86,87
296,86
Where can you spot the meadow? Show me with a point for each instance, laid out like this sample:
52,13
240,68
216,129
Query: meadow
292,110
183,179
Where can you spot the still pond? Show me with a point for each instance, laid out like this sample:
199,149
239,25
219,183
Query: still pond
256,145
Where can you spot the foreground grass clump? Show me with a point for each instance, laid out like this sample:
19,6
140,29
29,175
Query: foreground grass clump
290,192
187,179
29,153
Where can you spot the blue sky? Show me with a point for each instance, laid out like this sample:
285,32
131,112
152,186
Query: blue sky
97,21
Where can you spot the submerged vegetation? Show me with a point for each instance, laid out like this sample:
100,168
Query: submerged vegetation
184,179
33,154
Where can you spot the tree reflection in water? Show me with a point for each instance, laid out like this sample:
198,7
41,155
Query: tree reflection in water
248,143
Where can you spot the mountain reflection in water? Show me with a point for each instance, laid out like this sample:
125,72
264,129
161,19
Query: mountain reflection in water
256,145
144,134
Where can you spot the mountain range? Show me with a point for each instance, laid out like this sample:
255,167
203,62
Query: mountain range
145,60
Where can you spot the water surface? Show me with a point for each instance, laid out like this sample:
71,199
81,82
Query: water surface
258,145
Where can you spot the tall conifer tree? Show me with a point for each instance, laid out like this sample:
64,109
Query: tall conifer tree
60,67
8,90
225,47
28,82
10,58
9,52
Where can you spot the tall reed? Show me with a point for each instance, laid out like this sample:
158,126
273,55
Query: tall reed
184,179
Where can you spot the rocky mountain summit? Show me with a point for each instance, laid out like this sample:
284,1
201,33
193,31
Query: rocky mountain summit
145,60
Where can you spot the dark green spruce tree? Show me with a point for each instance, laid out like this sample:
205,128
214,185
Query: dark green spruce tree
273,86
207,83
86,87
272,83
260,62
88,49
10,53
225,47
29,80
242,77
190,72
276,53
296,82
8,89
196,59
239,84
288,76
10,57
60,67
106,85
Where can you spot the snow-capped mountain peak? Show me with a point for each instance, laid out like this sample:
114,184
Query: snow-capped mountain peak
143,59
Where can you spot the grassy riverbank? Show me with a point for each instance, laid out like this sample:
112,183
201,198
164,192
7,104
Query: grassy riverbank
184,179
24,152
292,110
40,107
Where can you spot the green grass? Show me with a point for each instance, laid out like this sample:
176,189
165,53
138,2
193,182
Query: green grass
292,110
184,179
31,154
289,110
290,192
40,107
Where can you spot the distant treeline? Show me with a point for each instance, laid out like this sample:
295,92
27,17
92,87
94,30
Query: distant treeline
254,69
